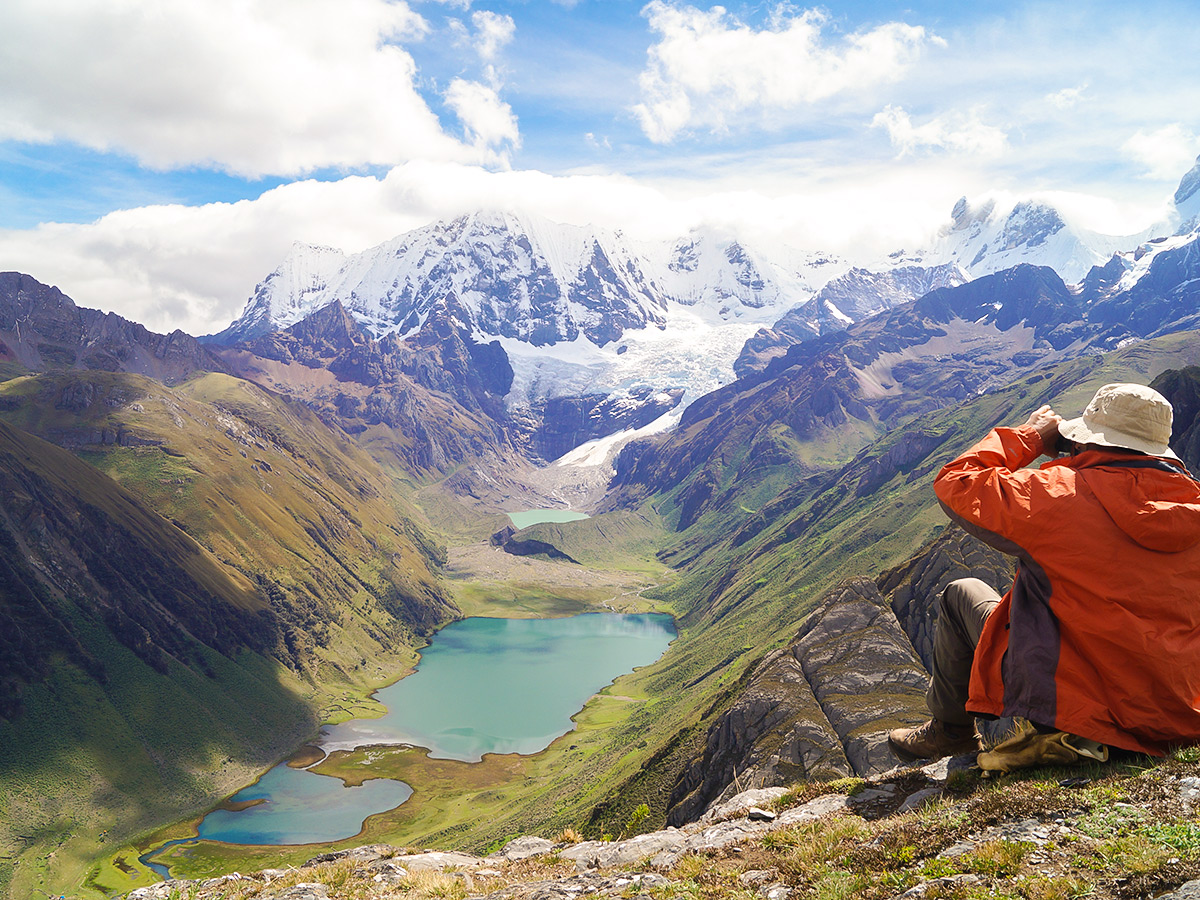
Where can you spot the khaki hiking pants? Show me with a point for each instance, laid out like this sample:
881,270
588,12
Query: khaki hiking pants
962,609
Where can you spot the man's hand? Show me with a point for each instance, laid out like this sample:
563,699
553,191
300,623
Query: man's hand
1046,421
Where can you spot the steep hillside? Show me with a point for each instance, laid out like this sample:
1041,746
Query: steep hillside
140,676
753,570
186,599
267,487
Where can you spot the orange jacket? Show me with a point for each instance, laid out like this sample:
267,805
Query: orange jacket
1100,634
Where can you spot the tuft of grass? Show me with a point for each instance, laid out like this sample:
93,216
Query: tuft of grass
1000,859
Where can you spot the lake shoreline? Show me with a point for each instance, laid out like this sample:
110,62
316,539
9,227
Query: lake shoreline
316,751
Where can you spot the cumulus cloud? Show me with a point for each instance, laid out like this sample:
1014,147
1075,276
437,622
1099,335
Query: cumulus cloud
1164,154
492,33
1067,97
953,132
708,67
487,120
252,87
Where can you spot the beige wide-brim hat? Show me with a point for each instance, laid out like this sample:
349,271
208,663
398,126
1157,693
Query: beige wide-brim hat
1132,416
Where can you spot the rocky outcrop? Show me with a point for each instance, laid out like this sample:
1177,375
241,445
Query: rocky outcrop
1015,838
553,426
518,543
863,672
912,589
818,709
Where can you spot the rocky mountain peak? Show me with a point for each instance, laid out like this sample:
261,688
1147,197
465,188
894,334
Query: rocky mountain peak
1189,185
965,217
1030,224
1187,198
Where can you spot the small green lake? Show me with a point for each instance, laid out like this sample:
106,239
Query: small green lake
537,516
482,686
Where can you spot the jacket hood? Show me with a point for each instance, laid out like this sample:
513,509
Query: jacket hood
1158,509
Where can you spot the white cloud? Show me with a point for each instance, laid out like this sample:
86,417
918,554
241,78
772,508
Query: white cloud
954,132
492,32
1165,153
249,86
1067,97
453,4
602,143
707,67
488,120
175,266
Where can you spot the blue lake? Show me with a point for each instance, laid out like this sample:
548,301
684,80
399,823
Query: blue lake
482,686
301,807
536,516
506,685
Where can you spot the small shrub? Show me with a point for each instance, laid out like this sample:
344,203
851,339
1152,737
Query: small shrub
1186,754
851,787
1000,859
637,820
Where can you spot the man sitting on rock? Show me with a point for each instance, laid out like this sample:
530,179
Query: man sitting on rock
1098,642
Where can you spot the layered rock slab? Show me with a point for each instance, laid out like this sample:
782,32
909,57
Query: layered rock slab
816,710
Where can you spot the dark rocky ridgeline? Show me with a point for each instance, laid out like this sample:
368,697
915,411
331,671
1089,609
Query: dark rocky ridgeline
857,295
443,389
518,543
42,329
818,709
436,395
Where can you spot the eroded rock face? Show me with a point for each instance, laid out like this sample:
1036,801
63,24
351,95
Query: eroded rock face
818,709
913,588
776,733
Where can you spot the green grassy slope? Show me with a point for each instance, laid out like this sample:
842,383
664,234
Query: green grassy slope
140,707
751,571
750,578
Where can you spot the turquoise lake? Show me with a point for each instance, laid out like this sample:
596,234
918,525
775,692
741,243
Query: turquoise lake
482,686
506,685
537,516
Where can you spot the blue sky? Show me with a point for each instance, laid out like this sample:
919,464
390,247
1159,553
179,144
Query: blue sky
158,159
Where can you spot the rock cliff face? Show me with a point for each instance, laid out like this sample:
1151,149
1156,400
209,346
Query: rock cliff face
818,709
912,589
1182,388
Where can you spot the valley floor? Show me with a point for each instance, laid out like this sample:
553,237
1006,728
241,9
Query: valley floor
455,803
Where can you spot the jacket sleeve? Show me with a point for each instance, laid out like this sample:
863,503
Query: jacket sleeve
989,491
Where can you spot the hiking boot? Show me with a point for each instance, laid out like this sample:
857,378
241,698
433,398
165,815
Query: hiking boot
933,740
1029,747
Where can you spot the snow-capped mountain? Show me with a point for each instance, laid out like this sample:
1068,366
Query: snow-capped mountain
575,308
991,235
287,294
528,279
1187,200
